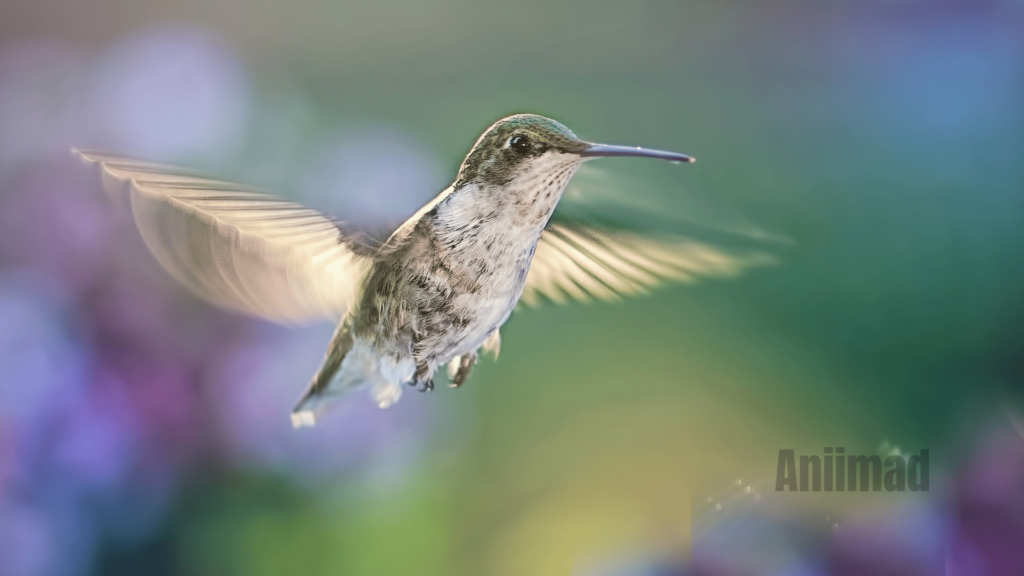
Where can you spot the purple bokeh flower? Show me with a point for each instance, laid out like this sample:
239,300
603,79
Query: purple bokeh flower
989,507
170,92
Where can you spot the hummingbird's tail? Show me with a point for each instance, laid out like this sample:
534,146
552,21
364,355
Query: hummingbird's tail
304,413
350,365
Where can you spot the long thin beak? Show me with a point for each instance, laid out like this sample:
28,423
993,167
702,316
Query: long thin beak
595,150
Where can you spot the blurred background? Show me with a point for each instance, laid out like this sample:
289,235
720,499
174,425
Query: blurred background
145,432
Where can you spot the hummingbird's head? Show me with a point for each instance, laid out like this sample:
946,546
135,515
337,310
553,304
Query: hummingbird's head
519,147
526,161
529,149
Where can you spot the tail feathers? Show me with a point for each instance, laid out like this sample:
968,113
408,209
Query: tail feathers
317,399
313,404
302,418
350,366
352,377
304,413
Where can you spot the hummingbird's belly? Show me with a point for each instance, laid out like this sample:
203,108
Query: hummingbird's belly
462,323
436,313
489,317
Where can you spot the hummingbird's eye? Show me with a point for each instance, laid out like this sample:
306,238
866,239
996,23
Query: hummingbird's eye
521,144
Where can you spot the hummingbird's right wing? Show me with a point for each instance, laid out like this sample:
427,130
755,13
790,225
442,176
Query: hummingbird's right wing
618,233
584,259
236,246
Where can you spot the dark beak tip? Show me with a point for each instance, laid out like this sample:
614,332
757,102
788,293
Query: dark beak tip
597,150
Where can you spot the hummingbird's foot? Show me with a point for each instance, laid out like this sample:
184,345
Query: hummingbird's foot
422,381
459,367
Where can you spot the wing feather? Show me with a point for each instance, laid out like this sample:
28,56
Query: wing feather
584,262
235,245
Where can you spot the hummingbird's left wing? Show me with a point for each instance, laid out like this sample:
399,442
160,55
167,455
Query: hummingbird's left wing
237,246
584,259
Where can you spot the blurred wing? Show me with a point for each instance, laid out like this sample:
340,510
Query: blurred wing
236,246
583,261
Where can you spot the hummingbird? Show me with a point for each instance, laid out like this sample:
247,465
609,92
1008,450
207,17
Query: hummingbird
438,289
